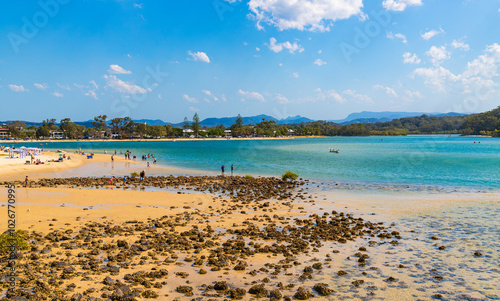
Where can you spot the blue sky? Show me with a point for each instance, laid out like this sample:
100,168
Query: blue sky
321,59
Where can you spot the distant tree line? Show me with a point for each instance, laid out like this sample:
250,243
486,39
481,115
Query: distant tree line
487,123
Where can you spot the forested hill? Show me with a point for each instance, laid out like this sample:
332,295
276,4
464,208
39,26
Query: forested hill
487,123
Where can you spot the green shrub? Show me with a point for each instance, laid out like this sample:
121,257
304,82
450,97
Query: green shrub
289,175
134,174
20,238
248,177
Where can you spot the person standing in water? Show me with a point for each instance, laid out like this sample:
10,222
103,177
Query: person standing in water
232,169
142,175
222,168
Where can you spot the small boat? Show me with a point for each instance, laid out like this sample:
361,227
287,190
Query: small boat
334,151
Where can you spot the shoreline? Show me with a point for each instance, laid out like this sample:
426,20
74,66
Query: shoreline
152,140
100,220
15,169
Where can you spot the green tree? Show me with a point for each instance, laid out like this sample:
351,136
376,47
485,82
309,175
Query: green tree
185,123
141,129
116,124
68,127
16,128
42,132
196,124
157,131
100,123
80,129
50,124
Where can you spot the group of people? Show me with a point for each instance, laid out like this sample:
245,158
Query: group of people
223,169
142,176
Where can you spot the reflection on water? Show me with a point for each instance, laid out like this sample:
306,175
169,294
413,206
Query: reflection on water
436,254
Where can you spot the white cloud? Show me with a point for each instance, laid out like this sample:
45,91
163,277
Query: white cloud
324,96
91,93
124,87
460,45
17,88
409,58
485,65
400,5
409,95
305,14
193,109
431,33
436,77
388,90
360,98
198,57
295,75
94,84
65,87
393,36
319,62
438,54
57,94
138,5
115,69
41,86
251,96
209,94
281,99
277,47
189,99
78,86
478,75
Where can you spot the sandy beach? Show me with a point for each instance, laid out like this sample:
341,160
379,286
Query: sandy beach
16,168
185,238
158,139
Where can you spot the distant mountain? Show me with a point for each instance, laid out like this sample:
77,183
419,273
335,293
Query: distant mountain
361,117
152,122
372,117
294,119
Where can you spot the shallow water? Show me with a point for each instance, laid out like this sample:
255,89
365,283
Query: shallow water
426,166
414,160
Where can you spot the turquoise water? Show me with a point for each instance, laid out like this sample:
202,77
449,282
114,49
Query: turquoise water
414,160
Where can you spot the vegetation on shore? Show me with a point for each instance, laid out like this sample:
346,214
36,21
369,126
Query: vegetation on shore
19,238
289,175
487,123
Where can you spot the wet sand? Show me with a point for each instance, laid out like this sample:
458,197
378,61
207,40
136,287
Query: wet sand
377,266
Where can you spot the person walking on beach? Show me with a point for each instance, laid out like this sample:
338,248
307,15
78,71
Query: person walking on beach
148,164
232,169
222,168
142,175
112,158
111,180
26,182
124,180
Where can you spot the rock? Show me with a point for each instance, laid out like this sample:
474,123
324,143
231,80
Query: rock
258,290
237,293
322,289
302,294
221,286
108,281
275,295
184,289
